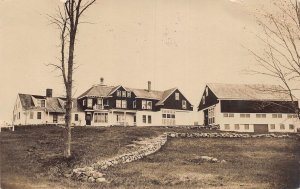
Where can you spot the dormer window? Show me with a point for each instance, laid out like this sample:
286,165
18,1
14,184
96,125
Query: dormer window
206,91
176,96
119,93
123,93
65,105
41,103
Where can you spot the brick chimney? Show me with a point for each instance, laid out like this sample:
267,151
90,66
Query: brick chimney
48,92
149,85
101,81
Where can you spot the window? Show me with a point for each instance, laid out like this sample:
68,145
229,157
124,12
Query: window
124,104
206,91
183,104
134,104
39,115
276,115
144,119
231,115
41,103
107,102
246,126
203,100
124,93
261,115
292,116
245,115
84,102
118,103
149,105
99,104
89,102
168,117
129,94
149,119
76,117
19,115
236,126
282,126
227,126
291,127
225,115
272,126
211,115
31,115
100,101
101,117
146,104
176,96
119,93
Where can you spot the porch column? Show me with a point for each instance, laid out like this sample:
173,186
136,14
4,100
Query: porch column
112,118
124,118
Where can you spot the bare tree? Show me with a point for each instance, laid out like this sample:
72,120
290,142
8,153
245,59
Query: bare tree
280,58
67,21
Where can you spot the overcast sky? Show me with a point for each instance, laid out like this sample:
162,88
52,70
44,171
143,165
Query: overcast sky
173,43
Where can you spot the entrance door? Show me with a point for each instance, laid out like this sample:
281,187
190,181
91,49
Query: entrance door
55,117
205,117
261,128
88,119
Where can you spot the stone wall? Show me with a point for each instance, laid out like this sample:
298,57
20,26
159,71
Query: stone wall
225,135
93,172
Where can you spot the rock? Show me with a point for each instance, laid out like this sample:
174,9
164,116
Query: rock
91,179
206,158
214,160
223,161
68,175
99,180
97,175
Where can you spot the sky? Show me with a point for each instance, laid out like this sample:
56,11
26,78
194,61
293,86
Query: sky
173,43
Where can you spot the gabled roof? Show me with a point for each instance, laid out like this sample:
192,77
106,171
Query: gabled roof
53,104
26,101
104,91
249,91
144,93
165,96
98,90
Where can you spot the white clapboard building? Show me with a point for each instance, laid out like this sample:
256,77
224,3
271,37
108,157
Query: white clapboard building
38,110
248,108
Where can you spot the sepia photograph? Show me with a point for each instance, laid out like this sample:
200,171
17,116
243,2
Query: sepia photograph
154,94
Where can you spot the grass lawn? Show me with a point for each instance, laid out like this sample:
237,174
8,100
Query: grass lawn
31,158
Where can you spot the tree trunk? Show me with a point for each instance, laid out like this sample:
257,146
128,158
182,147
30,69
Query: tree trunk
69,85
